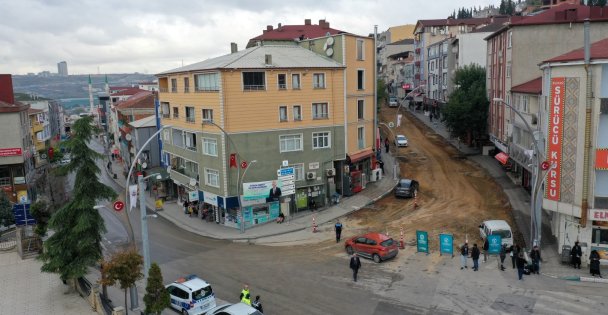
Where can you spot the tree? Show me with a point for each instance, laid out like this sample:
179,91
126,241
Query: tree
125,268
157,297
467,110
42,213
6,210
502,7
78,227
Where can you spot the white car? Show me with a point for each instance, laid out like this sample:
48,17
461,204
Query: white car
191,295
401,141
496,227
234,309
393,102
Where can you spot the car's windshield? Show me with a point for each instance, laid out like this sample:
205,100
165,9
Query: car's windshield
387,243
405,183
503,233
202,293
400,137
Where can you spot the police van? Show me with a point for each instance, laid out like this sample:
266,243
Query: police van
191,295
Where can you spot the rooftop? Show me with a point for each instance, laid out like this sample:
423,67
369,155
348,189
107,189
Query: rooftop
531,87
32,111
407,41
122,91
291,32
149,121
566,13
12,108
598,50
143,99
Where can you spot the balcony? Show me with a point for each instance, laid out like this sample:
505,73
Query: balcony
181,177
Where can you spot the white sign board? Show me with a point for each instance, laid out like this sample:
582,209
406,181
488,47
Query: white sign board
313,165
210,198
193,195
598,214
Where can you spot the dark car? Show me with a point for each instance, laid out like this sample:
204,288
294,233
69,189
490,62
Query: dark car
376,246
406,188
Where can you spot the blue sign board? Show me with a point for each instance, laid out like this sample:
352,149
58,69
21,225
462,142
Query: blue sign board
422,241
495,243
22,214
446,244
286,171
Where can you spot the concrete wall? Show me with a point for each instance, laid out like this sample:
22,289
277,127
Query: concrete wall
472,49
10,125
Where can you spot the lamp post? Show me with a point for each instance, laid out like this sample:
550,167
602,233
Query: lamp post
144,220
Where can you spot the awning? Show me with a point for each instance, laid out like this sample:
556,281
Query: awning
502,157
358,156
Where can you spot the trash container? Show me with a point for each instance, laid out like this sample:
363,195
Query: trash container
566,250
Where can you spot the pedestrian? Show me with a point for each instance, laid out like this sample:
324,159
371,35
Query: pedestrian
186,206
245,296
338,229
486,247
355,264
257,304
521,264
576,255
594,263
514,253
475,255
535,256
503,255
381,164
109,165
464,254
386,144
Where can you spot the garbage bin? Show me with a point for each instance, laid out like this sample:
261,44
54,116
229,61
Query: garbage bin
566,250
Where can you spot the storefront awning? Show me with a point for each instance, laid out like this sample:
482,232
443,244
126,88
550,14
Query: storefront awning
502,157
358,156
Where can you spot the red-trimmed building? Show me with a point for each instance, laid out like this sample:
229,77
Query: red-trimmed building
290,33
138,106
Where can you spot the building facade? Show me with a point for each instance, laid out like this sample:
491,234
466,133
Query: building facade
62,69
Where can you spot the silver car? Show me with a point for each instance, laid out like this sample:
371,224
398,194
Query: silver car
234,309
401,141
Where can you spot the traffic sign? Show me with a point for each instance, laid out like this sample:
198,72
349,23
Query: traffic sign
286,178
118,205
285,171
287,183
544,165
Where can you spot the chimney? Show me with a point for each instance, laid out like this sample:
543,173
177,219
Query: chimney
268,60
307,22
269,28
322,23
6,89
233,48
279,25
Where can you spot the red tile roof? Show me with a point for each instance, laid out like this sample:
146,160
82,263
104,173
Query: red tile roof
127,91
566,13
531,87
471,21
32,111
13,108
289,32
598,50
144,99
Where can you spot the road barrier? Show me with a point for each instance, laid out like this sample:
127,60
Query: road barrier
401,244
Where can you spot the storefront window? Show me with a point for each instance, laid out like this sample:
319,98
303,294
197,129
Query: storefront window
600,236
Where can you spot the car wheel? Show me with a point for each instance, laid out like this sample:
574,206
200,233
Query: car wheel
349,250
376,258
184,312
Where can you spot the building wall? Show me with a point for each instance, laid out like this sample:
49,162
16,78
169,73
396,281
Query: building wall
401,32
9,124
472,49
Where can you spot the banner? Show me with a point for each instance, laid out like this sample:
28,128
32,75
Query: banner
601,159
422,242
554,139
446,244
259,190
132,196
193,195
495,244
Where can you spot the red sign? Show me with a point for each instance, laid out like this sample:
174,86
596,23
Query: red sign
244,164
601,159
119,205
406,86
599,215
10,152
544,165
556,127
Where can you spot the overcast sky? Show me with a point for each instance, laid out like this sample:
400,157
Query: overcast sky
151,36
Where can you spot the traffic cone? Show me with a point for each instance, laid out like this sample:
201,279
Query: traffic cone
415,200
314,225
401,244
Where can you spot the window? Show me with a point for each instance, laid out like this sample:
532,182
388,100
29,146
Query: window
165,109
508,69
208,115
206,82
186,85
212,178
190,114
209,146
290,143
509,42
298,170
282,79
319,111
361,137
318,80
524,103
190,140
360,109
282,113
599,236
360,49
173,85
254,81
175,112
360,79
295,81
166,135
297,112
177,138
320,140
445,62
445,79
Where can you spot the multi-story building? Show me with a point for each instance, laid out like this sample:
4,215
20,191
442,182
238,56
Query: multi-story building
16,158
308,106
291,34
514,53
576,191
398,54
41,134
62,69
140,105
395,40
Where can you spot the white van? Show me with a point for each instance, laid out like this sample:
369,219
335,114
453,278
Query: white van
191,295
500,227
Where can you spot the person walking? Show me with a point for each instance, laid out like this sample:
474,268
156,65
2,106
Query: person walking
594,263
521,264
503,255
245,296
464,254
486,247
257,304
475,255
386,144
576,255
535,256
355,264
515,249
381,164
338,229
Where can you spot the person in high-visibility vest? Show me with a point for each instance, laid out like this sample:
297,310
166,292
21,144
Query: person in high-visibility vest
245,296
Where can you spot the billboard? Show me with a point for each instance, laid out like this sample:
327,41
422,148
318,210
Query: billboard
554,139
422,242
446,244
259,190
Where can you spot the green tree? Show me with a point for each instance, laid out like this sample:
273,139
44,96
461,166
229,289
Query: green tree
41,211
78,227
382,95
157,297
467,111
125,268
502,7
6,210
598,3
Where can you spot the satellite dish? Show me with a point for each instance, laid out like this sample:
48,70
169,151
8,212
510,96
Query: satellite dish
128,137
328,34
330,41
144,165
325,46
329,52
192,182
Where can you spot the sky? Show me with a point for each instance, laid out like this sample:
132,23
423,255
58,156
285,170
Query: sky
152,36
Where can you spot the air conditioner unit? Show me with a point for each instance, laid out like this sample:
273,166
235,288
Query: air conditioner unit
330,172
311,175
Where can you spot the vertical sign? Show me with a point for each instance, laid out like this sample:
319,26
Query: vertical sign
495,244
422,242
446,244
601,159
556,127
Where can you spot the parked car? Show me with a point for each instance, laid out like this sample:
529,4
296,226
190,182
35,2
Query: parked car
234,309
376,246
393,102
406,188
494,227
191,295
401,141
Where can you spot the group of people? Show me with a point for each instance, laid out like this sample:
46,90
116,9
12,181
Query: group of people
594,260
192,209
517,258
245,297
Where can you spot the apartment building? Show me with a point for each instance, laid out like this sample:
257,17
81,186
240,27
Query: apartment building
139,106
41,134
291,34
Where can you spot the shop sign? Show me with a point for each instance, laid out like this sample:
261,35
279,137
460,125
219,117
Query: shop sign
19,180
10,152
193,195
313,165
556,126
599,215
210,198
601,159
446,244
422,241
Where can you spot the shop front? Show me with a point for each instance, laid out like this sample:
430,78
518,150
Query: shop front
357,170
310,198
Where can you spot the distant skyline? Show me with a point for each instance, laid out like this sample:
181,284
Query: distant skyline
154,36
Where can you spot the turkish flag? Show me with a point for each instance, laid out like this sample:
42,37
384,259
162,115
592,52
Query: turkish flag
233,160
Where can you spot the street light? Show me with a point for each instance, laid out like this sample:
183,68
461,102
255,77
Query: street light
144,220
238,195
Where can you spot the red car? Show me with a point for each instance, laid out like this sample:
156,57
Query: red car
376,246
